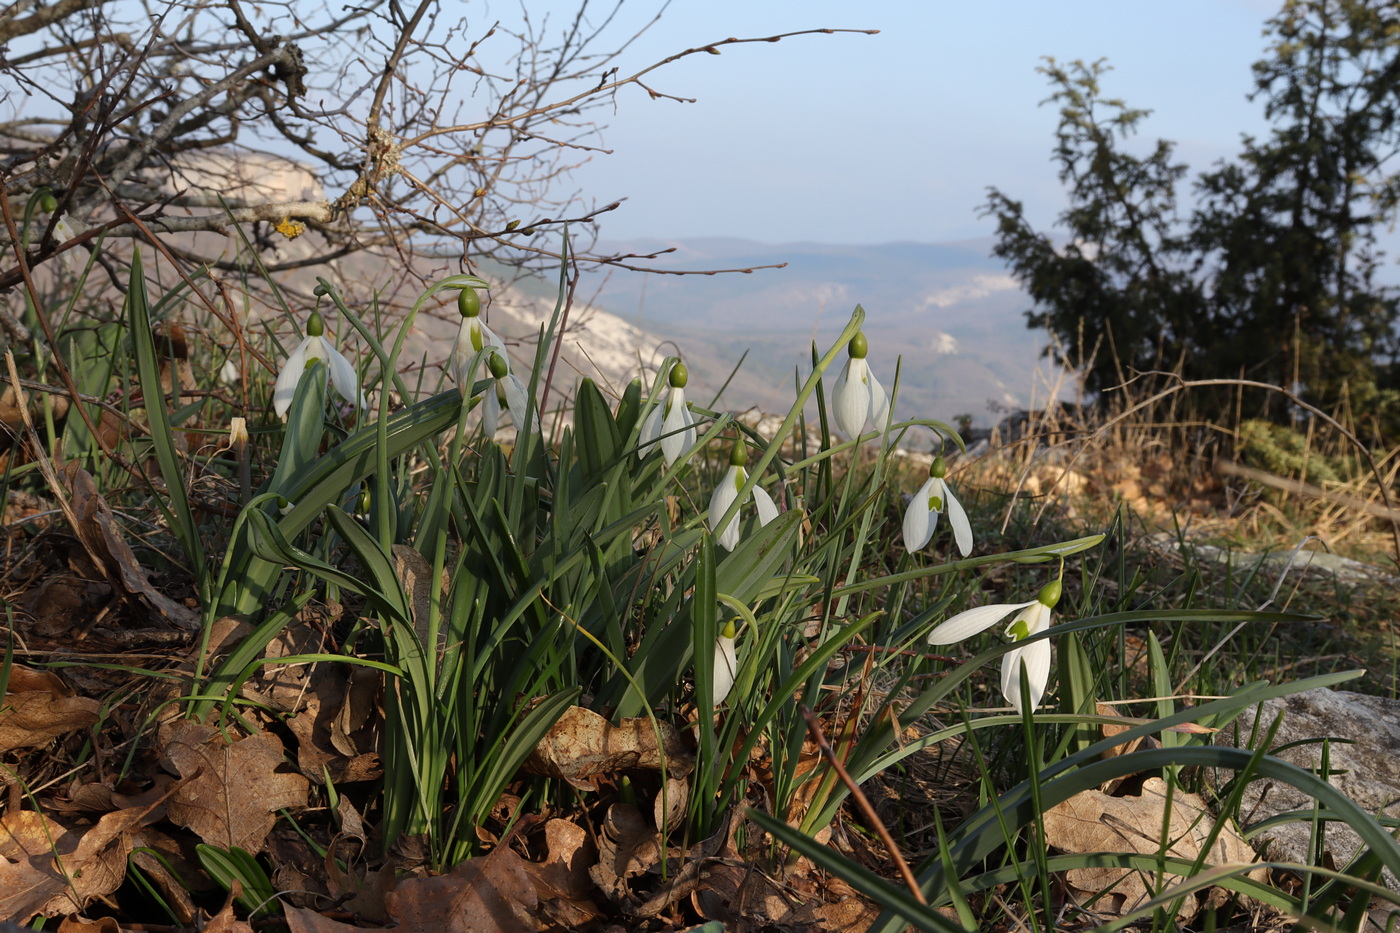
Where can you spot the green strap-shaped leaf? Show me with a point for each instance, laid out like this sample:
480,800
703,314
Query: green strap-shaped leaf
178,512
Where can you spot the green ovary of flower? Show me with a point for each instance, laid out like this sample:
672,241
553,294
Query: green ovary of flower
469,303
498,365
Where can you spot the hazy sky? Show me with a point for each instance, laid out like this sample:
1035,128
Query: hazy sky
865,139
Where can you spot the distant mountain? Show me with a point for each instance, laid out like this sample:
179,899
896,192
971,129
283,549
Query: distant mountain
949,309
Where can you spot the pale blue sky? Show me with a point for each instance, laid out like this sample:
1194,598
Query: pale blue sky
866,139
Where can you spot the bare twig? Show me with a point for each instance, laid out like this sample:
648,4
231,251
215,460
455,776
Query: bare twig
1298,487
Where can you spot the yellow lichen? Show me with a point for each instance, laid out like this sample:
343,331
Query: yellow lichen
291,229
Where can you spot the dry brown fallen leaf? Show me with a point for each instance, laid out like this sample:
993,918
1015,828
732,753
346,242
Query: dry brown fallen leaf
490,894
627,847
90,863
232,790
320,698
225,921
1095,822
97,530
38,708
582,744
77,924
302,920
562,883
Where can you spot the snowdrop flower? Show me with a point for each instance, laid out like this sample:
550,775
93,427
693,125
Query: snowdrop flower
857,395
508,390
922,515
728,490
62,232
472,337
726,663
315,346
1031,618
672,418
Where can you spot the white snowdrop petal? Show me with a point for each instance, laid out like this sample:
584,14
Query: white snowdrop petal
850,399
724,495
462,356
490,412
726,666
971,621
962,528
677,440
1036,658
651,430
879,400
919,520
763,503
518,401
343,376
286,386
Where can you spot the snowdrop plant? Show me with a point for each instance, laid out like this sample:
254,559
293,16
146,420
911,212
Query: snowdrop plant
726,662
734,478
935,496
339,372
473,337
670,423
1031,618
857,396
508,390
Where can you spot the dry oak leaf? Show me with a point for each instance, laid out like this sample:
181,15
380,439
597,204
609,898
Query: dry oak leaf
302,920
225,921
77,924
1095,822
232,790
38,708
49,869
561,881
490,894
582,744
627,847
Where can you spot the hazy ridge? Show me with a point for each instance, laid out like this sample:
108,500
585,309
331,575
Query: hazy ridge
949,309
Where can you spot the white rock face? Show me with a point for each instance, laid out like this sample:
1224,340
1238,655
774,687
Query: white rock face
595,344
244,177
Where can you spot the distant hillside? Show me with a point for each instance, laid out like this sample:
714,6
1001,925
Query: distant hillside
949,309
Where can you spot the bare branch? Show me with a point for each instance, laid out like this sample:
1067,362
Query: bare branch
419,139
12,27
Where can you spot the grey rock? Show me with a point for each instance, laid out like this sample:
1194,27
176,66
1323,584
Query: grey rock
1315,563
1363,758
